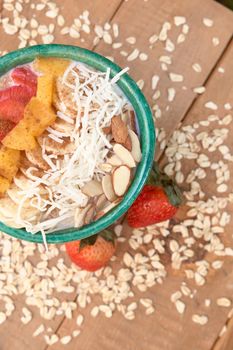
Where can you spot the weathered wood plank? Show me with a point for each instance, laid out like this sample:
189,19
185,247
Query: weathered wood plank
144,19
166,329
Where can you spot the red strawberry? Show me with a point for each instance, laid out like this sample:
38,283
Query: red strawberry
11,110
92,253
17,92
5,127
25,76
157,202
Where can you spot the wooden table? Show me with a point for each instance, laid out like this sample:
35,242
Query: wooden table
204,57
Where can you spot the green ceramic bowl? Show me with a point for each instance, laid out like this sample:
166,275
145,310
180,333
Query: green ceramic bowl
145,123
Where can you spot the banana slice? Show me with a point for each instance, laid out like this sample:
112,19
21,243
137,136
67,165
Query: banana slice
35,157
56,148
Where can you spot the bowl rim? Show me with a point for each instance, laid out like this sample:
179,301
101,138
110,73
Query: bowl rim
144,118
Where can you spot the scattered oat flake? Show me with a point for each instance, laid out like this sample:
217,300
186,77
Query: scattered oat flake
153,39
131,40
154,82
176,77
133,55
199,89
215,41
224,302
221,70
180,306
179,20
196,67
180,39
163,33
200,319
2,317
39,330
208,22
228,106
65,340
143,56
171,94
211,105
169,46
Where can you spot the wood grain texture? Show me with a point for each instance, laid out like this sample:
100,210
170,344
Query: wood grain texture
166,329
142,20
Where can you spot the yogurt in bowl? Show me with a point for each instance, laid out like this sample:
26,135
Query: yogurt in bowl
82,143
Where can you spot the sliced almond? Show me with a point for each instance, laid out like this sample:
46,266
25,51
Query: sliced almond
35,157
132,121
101,202
89,215
124,155
108,188
136,149
128,143
124,117
107,209
107,130
79,216
106,167
114,160
92,188
121,180
119,129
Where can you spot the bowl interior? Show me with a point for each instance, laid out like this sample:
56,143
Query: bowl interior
144,120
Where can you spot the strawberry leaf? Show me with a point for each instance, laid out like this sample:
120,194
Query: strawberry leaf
87,241
108,235
170,187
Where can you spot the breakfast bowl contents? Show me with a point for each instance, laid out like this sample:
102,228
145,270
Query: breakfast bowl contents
71,147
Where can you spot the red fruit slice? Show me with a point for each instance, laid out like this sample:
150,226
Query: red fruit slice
11,110
5,127
25,76
17,93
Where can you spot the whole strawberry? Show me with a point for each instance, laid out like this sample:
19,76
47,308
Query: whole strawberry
94,252
158,201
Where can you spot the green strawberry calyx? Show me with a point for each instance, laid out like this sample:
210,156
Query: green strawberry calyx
106,234
170,187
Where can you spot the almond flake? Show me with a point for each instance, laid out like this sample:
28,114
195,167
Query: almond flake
136,149
114,160
92,188
108,188
121,180
124,155
119,129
